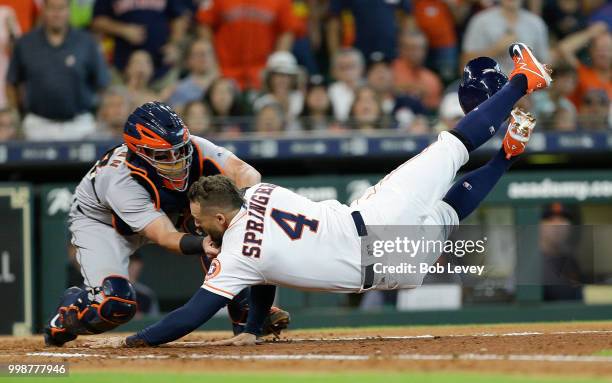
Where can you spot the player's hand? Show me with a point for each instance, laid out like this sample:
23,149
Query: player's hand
135,34
210,247
112,342
244,339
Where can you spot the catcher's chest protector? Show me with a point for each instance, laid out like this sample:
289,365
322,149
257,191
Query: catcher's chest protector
171,202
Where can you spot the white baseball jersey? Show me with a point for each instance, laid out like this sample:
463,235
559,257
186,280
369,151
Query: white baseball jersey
282,238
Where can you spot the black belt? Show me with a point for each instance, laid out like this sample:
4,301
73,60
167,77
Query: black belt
362,231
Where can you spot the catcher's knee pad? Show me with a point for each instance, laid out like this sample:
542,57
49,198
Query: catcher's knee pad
101,310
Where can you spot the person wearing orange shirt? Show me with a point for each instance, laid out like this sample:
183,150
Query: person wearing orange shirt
411,76
26,11
435,20
597,75
245,33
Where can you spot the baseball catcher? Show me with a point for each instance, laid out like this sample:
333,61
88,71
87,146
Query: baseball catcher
137,194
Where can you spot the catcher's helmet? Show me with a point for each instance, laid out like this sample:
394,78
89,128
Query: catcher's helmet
158,135
482,78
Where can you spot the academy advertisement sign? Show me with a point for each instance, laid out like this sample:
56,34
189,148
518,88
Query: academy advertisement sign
548,188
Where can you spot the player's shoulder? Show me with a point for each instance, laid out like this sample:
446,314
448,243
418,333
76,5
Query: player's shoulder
116,172
206,147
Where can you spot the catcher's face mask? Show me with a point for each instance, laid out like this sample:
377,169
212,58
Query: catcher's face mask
171,164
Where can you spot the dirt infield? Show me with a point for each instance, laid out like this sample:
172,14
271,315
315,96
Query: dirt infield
560,349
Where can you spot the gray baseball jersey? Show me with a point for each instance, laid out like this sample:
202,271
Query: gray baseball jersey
109,187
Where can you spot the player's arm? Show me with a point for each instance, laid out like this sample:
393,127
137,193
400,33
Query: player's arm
180,322
243,174
162,232
132,33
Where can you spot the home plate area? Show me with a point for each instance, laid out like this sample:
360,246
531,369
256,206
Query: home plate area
564,348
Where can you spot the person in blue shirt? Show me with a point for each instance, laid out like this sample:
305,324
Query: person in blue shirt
377,24
153,25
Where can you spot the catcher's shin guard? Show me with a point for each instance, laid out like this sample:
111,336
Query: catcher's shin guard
85,312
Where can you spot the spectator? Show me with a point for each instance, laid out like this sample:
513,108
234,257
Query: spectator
601,12
595,110
599,74
380,77
246,33
26,11
60,69
435,19
137,78
554,100
9,31
202,70
270,119
449,114
281,85
223,101
490,32
317,113
115,107
564,119
197,118
559,243
307,46
347,68
564,17
411,76
157,27
8,125
366,113
376,25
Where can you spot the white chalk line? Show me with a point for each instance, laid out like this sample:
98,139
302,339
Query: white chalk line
339,357
409,337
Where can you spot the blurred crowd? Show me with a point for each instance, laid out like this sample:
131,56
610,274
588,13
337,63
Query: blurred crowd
75,69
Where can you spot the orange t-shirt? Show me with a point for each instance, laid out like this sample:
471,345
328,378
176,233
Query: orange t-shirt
588,80
245,34
420,83
436,21
26,11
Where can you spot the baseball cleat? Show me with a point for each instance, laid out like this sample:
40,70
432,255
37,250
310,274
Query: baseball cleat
54,332
55,335
518,133
276,321
526,63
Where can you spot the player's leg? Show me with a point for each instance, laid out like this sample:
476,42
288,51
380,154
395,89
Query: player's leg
108,298
420,183
424,179
415,185
470,190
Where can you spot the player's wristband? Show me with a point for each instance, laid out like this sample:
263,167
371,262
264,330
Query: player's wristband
191,244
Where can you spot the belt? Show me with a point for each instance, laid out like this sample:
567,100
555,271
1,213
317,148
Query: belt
362,231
